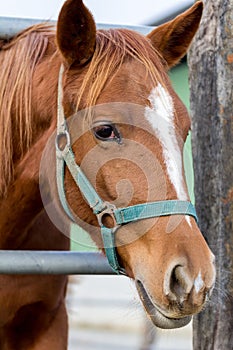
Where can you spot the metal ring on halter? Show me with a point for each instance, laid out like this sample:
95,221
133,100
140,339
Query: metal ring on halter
62,143
108,212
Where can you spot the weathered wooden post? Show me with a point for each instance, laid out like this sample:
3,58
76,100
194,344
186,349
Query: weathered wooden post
211,80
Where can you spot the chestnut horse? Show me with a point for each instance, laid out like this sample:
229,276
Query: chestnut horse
167,256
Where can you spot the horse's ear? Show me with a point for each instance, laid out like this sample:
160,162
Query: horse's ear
173,38
76,33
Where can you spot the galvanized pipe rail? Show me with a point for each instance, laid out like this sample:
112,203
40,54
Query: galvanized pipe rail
53,263
10,26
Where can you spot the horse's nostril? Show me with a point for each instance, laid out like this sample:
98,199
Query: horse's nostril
177,284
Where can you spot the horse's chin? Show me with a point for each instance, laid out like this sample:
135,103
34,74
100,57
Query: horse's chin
157,317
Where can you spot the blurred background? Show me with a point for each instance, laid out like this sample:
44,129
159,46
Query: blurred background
106,11
105,312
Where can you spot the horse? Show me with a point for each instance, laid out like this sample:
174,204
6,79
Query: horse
114,85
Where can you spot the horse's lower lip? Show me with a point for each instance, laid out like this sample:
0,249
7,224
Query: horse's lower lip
157,317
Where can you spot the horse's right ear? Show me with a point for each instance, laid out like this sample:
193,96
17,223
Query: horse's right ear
76,33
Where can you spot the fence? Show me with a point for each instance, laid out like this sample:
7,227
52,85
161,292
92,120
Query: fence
52,262
10,26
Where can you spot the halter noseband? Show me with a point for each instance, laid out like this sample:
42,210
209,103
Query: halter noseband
120,216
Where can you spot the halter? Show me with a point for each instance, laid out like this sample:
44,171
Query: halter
120,216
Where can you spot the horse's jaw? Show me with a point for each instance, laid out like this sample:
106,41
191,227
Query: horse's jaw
156,315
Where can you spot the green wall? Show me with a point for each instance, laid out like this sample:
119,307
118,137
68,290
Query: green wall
179,78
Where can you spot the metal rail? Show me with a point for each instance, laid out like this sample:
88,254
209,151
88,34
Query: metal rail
10,26
53,263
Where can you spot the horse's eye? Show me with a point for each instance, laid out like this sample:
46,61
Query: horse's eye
107,132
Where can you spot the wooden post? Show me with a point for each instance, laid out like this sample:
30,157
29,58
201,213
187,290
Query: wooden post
211,80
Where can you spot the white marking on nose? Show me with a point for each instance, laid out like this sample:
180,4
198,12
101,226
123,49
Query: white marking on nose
198,283
161,117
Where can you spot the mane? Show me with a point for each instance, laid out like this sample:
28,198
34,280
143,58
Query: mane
113,48
18,59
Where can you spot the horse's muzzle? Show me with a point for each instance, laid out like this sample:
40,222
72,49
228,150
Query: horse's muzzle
156,315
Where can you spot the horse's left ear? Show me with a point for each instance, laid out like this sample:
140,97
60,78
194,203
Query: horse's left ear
76,33
173,38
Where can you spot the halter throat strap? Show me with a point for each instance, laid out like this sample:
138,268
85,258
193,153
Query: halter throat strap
120,216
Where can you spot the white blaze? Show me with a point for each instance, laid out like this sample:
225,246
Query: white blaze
161,116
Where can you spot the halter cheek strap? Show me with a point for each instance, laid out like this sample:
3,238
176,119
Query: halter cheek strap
120,216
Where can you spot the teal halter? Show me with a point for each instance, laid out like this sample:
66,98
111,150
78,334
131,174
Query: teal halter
120,216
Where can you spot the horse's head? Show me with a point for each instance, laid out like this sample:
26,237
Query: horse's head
131,148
